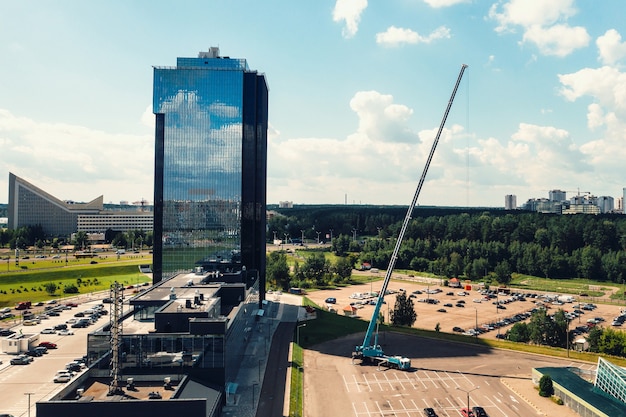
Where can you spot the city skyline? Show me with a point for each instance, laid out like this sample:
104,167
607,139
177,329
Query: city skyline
357,92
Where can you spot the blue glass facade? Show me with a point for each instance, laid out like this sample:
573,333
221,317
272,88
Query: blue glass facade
210,166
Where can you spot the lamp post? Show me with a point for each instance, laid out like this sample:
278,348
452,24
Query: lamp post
318,237
298,333
302,231
29,394
476,332
468,394
331,235
353,234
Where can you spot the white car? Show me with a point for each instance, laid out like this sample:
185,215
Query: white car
63,377
65,332
48,330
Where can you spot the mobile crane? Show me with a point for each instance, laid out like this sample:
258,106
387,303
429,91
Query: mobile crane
369,352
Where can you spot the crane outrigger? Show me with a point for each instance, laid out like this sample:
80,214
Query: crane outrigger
369,352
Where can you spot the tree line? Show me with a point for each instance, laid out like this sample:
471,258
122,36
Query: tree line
473,244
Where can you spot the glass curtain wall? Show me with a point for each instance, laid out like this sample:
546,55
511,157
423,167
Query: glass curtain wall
201,104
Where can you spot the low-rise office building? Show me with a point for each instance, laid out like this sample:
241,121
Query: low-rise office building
181,343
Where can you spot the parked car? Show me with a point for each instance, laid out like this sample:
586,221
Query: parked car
48,330
479,412
331,300
41,349
62,378
65,332
21,360
34,353
6,332
61,326
430,412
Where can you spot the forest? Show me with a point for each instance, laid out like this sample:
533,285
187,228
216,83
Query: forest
469,243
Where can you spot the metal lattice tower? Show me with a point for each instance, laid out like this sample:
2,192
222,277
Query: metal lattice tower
115,294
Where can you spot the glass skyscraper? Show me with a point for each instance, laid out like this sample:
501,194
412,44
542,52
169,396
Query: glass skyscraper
210,166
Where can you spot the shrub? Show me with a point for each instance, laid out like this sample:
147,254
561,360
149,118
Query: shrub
546,389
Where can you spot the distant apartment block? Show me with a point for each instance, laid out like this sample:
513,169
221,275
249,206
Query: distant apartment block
285,204
557,195
30,206
510,202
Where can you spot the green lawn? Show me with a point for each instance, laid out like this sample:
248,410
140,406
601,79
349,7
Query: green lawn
28,285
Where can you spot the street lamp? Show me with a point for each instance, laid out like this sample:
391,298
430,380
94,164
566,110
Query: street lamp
29,394
302,241
298,333
331,235
468,394
476,331
318,237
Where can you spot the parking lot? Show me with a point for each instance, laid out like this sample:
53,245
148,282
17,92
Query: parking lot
443,376
468,311
37,378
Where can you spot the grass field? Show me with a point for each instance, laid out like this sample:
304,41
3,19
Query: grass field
29,285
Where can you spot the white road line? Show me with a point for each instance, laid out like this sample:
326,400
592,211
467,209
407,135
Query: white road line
367,382
378,382
399,382
452,379
421,381
504,414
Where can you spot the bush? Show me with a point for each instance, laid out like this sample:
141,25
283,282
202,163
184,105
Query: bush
546,389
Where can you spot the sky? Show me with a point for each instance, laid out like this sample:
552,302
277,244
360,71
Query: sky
358,89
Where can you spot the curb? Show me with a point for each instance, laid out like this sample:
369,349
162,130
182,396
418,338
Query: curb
523,397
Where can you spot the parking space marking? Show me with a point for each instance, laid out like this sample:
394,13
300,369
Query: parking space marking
420,380
496,406
399,381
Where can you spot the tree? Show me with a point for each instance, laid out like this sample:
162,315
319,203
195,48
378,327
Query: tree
546,389
343,268
403,313
341,244
316,267
70,289
519,333
81,240
277,270
503,273
50,288
593,338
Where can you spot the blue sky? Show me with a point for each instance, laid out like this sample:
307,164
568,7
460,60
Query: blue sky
357,91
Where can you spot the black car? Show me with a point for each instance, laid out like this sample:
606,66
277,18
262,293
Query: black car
430,412
479,412
6,332
34,353
61,326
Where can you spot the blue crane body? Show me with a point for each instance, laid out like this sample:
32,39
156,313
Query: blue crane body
369,352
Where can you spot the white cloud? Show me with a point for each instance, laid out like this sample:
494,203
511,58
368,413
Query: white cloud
606,85
74,162
444,3
394,36
611,49
543,23
558,40
349,11
380,120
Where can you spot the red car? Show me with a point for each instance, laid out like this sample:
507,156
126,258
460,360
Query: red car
466,412
48,345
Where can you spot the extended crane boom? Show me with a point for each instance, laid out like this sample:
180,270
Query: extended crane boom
369,352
